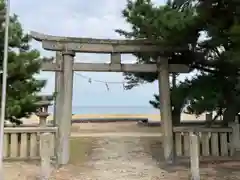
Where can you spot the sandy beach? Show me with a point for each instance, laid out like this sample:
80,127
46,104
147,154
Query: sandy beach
151,117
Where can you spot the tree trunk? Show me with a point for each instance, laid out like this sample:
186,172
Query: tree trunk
176,116
174,80
229,115
176,112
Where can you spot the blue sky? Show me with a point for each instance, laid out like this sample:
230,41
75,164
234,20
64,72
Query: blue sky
94,18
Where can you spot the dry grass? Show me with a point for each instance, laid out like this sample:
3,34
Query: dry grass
80,149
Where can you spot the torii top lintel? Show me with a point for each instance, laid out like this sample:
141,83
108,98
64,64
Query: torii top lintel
92,45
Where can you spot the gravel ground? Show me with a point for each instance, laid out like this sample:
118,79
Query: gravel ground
124,158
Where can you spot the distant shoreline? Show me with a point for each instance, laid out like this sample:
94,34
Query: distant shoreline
150,117
112,110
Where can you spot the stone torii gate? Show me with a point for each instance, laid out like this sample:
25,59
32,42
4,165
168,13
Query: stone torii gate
66,47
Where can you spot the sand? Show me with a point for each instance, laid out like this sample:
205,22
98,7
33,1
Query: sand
152,117
123,158
110,154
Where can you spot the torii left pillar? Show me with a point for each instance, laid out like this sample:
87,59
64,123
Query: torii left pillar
63,111
165,109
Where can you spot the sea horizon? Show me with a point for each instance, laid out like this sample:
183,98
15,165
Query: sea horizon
112,110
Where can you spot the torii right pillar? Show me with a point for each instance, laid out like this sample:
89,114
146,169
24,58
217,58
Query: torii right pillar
165,109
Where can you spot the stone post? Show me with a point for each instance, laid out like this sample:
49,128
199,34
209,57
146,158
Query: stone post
194,156
66,114
166,109
235,141
45,152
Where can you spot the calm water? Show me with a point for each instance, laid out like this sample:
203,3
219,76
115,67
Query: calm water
112,110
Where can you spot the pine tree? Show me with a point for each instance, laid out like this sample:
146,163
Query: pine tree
179,23
23,64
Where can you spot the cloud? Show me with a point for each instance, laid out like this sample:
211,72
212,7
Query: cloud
95,18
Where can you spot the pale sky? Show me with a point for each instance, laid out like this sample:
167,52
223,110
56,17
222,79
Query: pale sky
94,18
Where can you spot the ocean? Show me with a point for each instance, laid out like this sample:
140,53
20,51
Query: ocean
112,110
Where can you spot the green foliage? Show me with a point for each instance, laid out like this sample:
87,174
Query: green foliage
23,64
177,25
160,23
221,25
177,33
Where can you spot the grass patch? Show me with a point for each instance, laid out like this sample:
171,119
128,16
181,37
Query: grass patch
80,149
